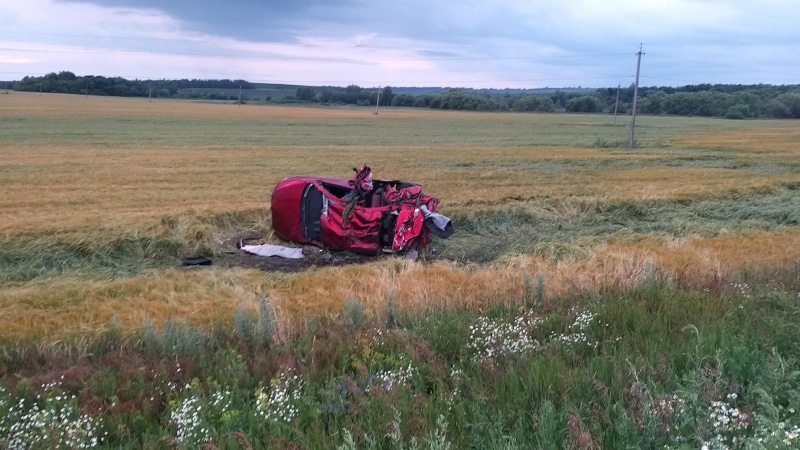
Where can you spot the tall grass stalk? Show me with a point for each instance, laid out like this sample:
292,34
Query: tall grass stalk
177,339
391,311
243,328
267,322
354,311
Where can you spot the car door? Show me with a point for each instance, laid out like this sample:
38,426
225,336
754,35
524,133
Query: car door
358,233
311,205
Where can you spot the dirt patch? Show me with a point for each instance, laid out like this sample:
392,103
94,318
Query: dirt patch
313,257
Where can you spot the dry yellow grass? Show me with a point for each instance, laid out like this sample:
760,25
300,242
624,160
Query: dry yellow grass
79,183
720,256
773,138
69,306
74,187
73,182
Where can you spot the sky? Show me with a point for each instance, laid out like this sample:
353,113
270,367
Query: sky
408,43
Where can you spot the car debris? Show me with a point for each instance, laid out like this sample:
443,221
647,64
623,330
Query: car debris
361,215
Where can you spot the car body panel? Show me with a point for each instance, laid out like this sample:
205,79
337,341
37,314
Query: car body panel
287,204
310,210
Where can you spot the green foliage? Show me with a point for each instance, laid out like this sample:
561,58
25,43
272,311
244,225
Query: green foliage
67,83
267,322
584,104
27,256
243,328
354,311
306,94
546,231
697,103
549,433
391,311
259,332
534,103
692,100
386,97
792,102
405,100
119,256
50,420
777,109
458,99
436,440
174,339
533,295
738,111
602,143
652,366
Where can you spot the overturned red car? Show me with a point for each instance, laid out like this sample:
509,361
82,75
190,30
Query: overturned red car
360,215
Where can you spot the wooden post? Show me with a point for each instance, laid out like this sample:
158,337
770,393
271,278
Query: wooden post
635,94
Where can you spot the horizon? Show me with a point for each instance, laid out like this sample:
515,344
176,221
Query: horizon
412,87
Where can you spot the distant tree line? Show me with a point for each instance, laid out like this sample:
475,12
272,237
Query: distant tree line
718,100
353,94
66,82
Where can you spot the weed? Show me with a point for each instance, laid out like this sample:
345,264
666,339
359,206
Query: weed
391,313
51,419
267,322
354,312
533,296
243,328
175,339
280,401
493,338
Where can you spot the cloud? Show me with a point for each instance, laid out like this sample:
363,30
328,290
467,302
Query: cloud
478,43
273,20
85,18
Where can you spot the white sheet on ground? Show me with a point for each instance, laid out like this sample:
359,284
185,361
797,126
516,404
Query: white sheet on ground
274,250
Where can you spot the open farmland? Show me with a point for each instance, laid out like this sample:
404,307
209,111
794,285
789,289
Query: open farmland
101,197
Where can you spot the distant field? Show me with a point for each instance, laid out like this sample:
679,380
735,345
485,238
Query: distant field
100,196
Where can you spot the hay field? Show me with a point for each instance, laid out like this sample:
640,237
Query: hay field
100,196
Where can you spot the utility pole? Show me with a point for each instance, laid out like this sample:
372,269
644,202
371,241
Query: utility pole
635,94
150,93
240,94
378,101
616,103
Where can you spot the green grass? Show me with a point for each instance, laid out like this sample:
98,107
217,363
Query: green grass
635,160
355,128
628,366
638,368
106,253
553,229
549,229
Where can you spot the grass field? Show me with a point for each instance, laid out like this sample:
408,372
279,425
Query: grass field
100,197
